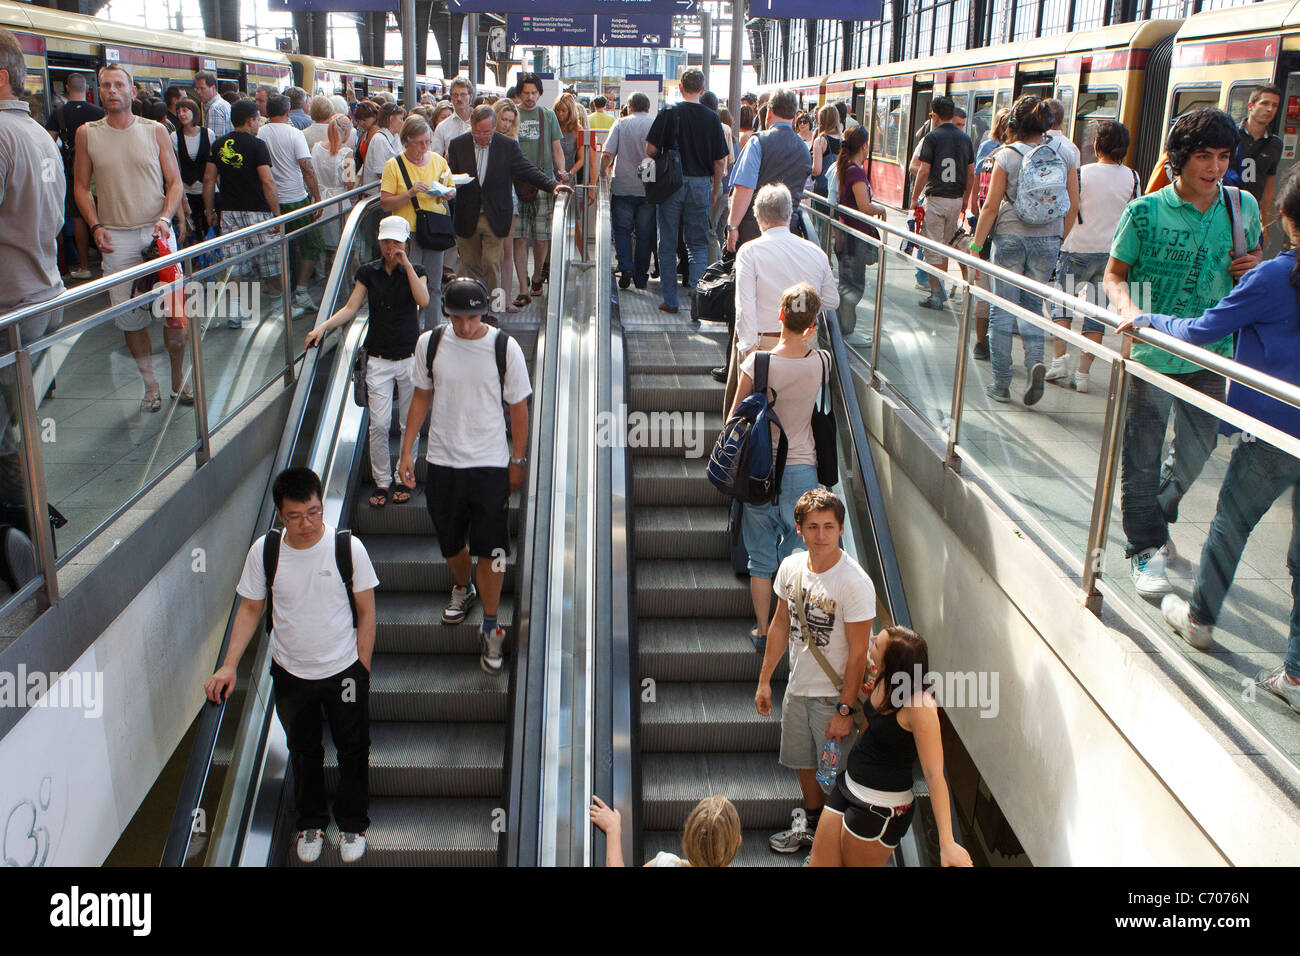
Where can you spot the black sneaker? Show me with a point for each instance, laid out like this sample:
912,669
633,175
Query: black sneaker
981,350
719,375
624,280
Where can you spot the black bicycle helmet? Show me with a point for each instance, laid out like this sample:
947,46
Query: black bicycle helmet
465,296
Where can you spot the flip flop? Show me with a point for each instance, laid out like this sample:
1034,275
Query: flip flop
536,288
151,403
401,497
379,498
185,398
522,300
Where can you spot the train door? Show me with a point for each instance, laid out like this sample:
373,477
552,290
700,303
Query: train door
860,104
981,115
1036,79
62,65
1287,126
922,97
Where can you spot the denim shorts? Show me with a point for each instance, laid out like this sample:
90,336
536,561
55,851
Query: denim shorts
770,534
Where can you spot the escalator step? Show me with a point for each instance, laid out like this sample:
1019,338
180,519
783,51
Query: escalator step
753,851
707,717
423,831
701,588
674,481
674,353
411,623
414,563
764,792
408,518
693,392
704,649
425,687
698,430
663,531
409,759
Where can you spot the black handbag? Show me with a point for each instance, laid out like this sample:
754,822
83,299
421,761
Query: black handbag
666,179
715,293
433,230
823,431
360,392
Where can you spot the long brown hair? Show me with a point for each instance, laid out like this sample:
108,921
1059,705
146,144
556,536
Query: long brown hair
854,140
905,656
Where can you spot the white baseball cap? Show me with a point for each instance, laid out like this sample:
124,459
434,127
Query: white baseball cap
394,227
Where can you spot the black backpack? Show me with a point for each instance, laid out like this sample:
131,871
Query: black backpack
715,293
342,561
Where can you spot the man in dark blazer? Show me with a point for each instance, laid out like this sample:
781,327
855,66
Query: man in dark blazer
483,205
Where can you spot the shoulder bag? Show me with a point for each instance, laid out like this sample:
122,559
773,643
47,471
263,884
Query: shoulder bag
662,173
859,715
433,230
823,431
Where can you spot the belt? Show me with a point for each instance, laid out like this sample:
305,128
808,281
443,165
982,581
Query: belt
390,356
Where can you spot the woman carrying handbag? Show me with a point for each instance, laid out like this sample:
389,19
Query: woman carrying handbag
419,179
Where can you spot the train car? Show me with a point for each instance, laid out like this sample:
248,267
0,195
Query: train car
319,76
810,91
57,43
1098,74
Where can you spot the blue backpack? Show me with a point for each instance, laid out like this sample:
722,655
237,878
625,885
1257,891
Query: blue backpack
741,465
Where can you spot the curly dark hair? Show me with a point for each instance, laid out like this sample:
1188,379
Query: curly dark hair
1206,128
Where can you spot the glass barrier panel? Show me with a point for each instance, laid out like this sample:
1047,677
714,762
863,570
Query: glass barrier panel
853,262
18,562
1174,464
918,345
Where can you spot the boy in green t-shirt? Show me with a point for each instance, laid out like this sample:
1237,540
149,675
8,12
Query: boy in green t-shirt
1175,245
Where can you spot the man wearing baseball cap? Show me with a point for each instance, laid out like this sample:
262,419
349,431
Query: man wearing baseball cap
465,371
397,290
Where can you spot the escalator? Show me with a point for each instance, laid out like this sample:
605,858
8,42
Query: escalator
693,669
444,734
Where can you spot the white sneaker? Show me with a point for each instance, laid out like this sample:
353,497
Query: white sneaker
462,599
1059,369
80,273
302,299
1148,568
1081,382
492,660
352,846
1277,682
310,843
1178,614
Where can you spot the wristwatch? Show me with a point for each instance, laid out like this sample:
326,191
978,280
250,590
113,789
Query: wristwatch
844,710
519,461
731,228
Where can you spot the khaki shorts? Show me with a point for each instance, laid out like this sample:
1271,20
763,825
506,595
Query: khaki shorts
941,223
128,251
803,730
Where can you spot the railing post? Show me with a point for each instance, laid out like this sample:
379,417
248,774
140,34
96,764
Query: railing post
195,331
38,506
959,380
1107,464
286,299
880,303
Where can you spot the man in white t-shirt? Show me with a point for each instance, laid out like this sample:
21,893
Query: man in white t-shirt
1060,142
295,183
473,464
320,656
828,590
458,123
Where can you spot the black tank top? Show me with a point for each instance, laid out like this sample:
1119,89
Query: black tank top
832,150
882,758
192,166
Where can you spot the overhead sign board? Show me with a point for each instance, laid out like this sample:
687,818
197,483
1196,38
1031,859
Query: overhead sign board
333,6
622,8
644,30
825,9
550,29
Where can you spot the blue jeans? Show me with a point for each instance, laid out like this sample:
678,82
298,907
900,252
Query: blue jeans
1033,257
1258,475
770,534
633,214
1081,274
1195,432
689,206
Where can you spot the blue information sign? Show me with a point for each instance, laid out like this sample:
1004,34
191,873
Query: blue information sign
637,30
825,9
550,29
620,8
332,6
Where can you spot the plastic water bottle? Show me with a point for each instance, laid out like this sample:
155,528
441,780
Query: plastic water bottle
829,764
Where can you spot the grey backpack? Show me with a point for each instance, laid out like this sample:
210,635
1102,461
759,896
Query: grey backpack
1042,194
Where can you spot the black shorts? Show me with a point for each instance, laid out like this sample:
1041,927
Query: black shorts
470,505
868,822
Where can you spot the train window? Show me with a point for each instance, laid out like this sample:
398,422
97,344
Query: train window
1066,95
149,84
34,95
1239,97
1094,106
878,143
1187,99
981,118
1003,101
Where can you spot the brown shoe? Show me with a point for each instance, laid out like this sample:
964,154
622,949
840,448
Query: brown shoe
667,308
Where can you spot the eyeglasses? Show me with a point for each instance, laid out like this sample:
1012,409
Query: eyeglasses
307,516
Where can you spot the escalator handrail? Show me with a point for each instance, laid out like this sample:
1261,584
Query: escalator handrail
524,745
212,715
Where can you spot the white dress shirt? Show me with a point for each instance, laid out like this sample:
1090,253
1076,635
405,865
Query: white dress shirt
765,268
448,130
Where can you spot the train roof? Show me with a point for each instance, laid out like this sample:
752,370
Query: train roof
1256,18
46,21
341,66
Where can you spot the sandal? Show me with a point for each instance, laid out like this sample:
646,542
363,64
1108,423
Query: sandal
522,300
185,398
536,288
379,498
401,497
151,403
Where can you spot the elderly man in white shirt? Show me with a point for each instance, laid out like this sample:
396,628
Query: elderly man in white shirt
458,123
765,268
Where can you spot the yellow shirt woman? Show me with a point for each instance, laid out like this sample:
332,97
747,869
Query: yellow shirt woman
434,170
